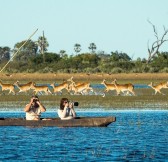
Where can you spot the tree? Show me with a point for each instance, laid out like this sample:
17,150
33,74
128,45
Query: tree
77,48
43,44
154,50
30,49
92,47
63,54
4,54
51,57
116,56
160,61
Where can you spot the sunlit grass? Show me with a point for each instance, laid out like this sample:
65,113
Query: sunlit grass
135,78
143,100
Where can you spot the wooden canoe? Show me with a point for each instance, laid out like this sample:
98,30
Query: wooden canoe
77,122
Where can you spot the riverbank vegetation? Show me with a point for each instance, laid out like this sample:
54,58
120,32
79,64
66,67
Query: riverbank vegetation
144,99
109,102
34,57
100,62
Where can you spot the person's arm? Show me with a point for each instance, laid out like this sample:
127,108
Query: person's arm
72,110
62,113
42,108
28,106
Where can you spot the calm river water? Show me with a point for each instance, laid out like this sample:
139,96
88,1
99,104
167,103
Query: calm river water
135,136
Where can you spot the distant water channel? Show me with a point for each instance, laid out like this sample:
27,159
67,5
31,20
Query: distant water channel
135,136
100,86
136,86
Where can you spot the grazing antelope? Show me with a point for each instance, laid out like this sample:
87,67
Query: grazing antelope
123,87
60,87
9,87
25,87
109,87
73,84
158,87
40,89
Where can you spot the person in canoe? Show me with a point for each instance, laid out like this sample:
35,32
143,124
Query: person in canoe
34,108
66,110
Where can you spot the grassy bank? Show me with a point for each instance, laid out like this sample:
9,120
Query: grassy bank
92,101
144,98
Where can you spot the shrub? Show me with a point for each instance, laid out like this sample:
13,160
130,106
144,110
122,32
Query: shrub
164,70
117,70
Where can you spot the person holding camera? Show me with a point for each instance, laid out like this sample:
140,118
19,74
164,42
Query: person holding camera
34,108
66,110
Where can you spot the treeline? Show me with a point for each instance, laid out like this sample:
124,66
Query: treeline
33,57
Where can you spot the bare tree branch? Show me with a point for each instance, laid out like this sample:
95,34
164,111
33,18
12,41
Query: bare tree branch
156,44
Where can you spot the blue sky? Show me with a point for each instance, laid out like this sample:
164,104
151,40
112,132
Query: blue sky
111,24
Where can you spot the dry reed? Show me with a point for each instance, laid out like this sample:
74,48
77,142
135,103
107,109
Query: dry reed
94,78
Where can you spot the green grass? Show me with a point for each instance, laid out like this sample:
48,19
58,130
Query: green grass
143,100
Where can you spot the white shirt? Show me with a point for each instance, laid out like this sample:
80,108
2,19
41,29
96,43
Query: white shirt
67,116
33,113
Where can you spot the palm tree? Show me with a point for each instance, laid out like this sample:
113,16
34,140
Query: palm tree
77,48
92,47
43,44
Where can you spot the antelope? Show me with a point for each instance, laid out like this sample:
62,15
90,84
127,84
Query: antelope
72,81
124,87
25,87
109,87
9,87
60,87
81,88
40,89
158,87
73,84
164,84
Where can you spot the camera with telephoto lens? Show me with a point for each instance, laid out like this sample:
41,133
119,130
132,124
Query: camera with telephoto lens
74,103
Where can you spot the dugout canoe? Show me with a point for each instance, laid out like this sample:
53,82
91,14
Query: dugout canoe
77,122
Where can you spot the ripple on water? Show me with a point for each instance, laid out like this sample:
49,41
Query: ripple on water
135,136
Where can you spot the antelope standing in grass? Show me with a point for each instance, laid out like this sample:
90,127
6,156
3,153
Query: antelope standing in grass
123,87
109,87
9,87
158,87
60,87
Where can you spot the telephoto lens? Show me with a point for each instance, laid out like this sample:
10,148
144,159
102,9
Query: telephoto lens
76,103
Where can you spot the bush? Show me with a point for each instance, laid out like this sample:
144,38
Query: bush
46,70
117,70
136,70
164,70
153,69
